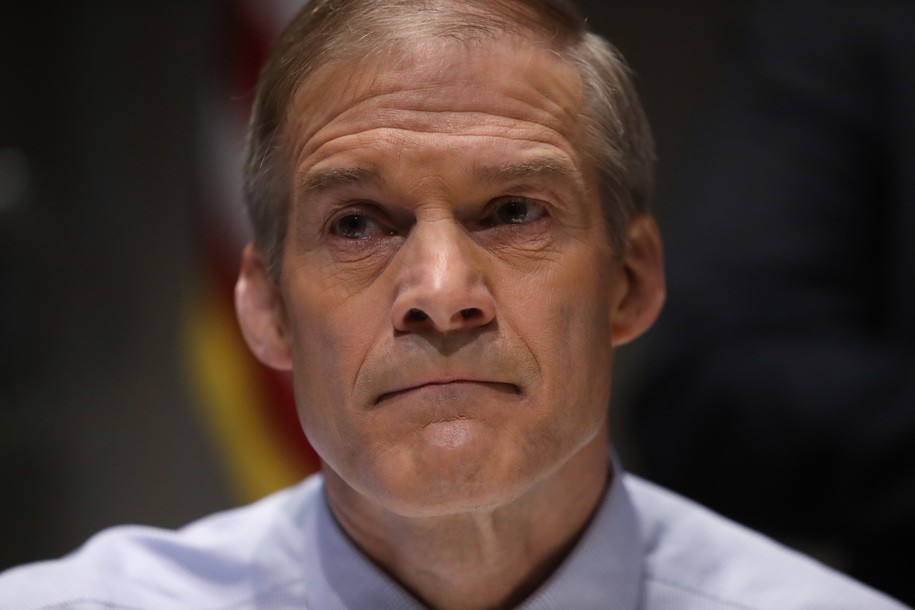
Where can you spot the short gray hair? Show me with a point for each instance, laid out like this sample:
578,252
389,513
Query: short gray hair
618,138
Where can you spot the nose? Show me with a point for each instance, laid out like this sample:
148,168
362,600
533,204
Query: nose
441,283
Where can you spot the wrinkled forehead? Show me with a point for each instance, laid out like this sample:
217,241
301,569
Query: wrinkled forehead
519,78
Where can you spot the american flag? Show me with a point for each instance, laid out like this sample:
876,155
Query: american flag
248,407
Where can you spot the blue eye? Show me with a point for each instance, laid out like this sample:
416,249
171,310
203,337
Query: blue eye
517,211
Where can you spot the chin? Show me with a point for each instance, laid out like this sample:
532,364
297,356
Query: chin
453,472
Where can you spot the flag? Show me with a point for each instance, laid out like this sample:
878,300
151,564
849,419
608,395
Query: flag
248,408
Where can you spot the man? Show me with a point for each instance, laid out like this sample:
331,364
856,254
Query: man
451,238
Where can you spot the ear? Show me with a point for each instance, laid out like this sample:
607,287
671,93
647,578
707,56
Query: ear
643,296
261,315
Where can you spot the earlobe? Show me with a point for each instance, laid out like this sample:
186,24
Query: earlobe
643,264
259,306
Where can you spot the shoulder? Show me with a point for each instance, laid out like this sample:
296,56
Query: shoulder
697,558
247,556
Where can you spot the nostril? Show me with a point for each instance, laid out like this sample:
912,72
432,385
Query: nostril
471,312
416,315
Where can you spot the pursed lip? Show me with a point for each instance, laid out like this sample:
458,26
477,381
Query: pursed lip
501,386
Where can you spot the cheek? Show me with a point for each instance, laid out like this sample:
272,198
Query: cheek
333,323
331,337
564,318
570,301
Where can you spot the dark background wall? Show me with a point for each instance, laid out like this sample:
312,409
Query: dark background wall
100,174
98,124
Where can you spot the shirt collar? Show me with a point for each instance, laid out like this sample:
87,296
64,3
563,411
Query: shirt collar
604,570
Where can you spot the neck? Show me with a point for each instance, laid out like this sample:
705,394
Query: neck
481,559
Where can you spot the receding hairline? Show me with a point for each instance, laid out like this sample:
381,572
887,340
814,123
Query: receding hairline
617,141
350,72
397,35
317,101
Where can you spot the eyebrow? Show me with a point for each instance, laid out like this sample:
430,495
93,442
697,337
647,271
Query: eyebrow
320,181
547,168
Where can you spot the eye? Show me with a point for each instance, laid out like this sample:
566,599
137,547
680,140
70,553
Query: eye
516,211
359,226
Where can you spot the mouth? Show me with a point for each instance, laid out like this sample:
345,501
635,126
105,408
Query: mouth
452,384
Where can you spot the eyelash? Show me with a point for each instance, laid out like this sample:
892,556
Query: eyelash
369,216
492,220
368,213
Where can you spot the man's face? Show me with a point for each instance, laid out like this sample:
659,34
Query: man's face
447,281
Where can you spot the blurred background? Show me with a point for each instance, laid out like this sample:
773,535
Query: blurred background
127,396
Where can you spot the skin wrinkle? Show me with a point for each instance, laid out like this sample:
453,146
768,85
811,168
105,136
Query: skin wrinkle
560,201
556,107
477,118
442,346
441,471
315,86
524,167
484,96
314,183
440,29
542,174
380,131
486,353
517,172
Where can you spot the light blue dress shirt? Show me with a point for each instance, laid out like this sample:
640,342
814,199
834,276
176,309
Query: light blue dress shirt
645,548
